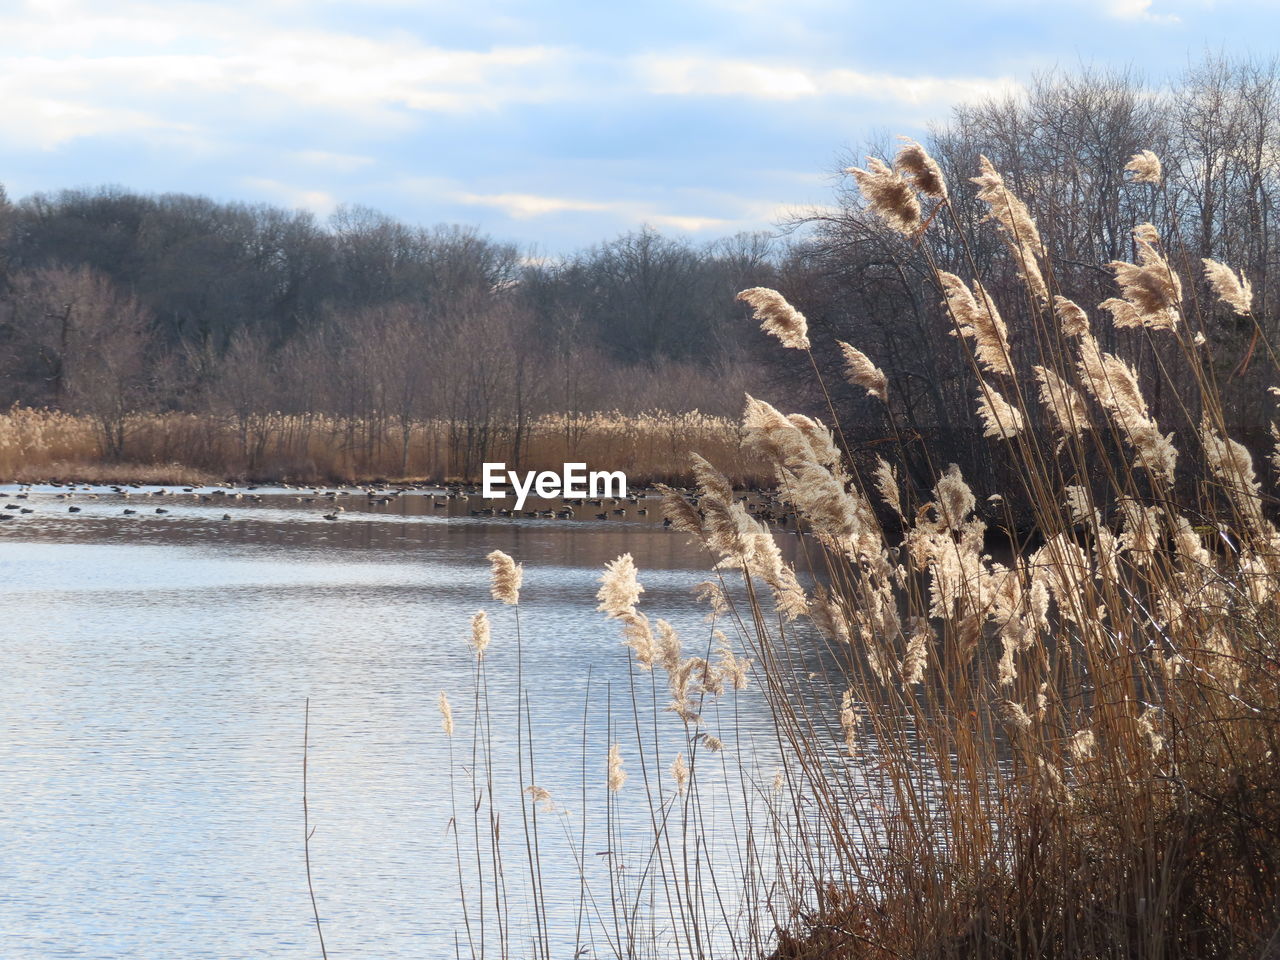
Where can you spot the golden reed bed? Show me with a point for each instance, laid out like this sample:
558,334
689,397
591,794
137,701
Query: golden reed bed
194,448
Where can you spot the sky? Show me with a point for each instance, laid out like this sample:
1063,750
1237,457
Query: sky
554,124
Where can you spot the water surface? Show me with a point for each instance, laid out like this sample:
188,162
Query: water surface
156,667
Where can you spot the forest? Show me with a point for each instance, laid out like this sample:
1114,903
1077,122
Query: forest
242,339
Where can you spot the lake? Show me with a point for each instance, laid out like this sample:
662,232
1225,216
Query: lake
156,668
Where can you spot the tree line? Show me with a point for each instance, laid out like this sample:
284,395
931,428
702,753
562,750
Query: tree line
114,302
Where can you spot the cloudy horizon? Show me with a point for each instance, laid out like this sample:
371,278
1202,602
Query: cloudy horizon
552,131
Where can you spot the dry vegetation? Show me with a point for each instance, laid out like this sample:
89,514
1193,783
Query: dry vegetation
1066,752
189,448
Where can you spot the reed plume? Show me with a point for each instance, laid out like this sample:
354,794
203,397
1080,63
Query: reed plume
1013,716
1000,418
680,773
1235,291
1232,464
1065,405
667,646
849,723
777,317
732,667
692,678
617,775
446,714
979,321
506,575
619,589
540,796
1082,745
1016,225
739,539
1152,292
886,482
916,658
480,633
861,372
1145,167
888,195
921,169
1074,321
1114,385
819,491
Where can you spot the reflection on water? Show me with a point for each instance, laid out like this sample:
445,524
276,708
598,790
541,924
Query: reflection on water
156,666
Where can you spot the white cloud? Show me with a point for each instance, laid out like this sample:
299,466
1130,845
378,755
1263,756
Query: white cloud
338,162
522,206
45,122
686,222
710,76
1138,10
686,76
72,70
291,195
739,213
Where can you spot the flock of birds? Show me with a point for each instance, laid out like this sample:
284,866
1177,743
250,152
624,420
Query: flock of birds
764,506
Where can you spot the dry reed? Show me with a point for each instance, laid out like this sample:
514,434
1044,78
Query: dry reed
194,449
1067,752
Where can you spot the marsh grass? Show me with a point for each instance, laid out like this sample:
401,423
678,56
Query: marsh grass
172,448
1070,751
